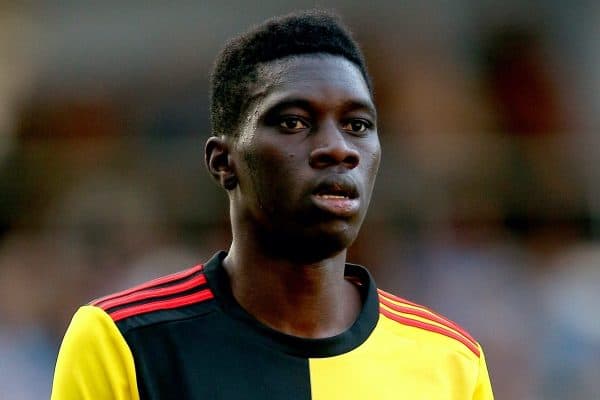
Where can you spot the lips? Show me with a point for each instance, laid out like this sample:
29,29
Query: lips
336,187
337,195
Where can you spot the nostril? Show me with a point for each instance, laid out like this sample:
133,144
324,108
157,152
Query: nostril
351,161
328,156
321,160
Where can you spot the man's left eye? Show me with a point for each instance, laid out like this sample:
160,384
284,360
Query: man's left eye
356,126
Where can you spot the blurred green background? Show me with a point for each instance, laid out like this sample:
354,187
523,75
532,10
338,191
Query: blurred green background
487,206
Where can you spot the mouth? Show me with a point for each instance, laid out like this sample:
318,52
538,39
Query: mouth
337,195
337,187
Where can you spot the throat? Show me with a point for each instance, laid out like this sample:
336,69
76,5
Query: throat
318,317
303,301
314,316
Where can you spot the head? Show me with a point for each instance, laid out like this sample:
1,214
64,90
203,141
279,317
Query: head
294,140
292,35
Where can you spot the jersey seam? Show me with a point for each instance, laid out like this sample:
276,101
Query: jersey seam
127,331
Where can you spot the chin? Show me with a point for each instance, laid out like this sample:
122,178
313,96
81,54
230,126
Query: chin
310,247
327,248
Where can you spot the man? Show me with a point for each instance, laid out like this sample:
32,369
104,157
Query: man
281,315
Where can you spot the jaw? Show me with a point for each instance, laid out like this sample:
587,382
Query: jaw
308,241
305,250
306,233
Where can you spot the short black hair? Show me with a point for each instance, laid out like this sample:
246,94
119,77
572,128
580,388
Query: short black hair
306,32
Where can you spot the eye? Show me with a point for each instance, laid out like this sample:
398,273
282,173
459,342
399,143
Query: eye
356,125
293,124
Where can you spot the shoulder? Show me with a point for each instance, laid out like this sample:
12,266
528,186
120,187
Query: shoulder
425,324
162,299
94,359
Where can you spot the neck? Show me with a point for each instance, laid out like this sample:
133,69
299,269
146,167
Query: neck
310,300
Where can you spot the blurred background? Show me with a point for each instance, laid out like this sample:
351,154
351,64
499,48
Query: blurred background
487,206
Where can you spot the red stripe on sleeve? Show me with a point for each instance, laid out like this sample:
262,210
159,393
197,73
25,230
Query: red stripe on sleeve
428,315
431,328
152,292
396,298
154,282
162,305
433,315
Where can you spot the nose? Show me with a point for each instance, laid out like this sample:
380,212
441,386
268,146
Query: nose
332,149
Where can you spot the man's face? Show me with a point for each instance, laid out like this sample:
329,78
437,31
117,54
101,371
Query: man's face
307,154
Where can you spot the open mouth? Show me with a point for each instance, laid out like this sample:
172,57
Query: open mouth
337,196
336,189
332,196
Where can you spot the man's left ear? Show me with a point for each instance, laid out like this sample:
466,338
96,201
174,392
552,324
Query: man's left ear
218,161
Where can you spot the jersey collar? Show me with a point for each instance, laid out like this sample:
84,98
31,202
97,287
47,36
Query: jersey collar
354,336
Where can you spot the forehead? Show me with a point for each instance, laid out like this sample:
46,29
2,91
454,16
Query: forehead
317,77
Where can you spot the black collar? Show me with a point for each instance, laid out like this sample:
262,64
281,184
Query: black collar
218,281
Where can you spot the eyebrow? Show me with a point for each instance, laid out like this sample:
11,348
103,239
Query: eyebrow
347,106
352,105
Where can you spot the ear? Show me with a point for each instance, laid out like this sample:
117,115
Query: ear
218,161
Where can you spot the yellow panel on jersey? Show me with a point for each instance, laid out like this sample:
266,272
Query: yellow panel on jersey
402,362
95,362
408,356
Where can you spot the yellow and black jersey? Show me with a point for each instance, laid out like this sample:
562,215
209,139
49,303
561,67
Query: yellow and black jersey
184,336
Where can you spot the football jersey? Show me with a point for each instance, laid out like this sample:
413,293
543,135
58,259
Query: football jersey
184,336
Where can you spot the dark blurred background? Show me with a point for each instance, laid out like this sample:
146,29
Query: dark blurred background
487,206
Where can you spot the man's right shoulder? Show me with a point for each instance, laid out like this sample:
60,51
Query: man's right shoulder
172,297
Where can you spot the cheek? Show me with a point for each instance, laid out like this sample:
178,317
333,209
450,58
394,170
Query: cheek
272,171
266,159
375,158
372,158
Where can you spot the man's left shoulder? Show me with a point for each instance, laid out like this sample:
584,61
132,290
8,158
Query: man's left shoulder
426,325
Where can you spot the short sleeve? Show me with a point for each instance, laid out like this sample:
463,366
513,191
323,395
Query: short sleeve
483,388
94,361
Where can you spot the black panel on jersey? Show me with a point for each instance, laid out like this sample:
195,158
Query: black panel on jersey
209,357
214,349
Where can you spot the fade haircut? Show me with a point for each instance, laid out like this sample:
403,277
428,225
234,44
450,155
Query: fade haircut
294,34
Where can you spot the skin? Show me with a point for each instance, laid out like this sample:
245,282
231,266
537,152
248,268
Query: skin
310,121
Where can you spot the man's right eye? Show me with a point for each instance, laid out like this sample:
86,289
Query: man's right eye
293,124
